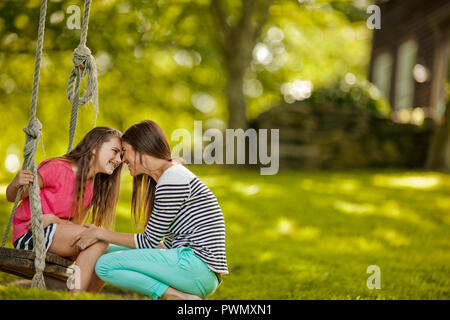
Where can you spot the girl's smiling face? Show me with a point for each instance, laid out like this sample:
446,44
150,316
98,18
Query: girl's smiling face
109,156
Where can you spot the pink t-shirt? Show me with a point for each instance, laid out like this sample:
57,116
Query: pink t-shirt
56,195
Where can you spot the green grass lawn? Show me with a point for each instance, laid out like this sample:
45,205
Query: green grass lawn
312,235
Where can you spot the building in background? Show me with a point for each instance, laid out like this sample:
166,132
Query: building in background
410,56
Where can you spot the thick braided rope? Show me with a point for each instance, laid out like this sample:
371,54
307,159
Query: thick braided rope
33,131
33,134
84,63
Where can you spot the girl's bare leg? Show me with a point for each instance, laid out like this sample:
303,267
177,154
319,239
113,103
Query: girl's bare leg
86,259
96,285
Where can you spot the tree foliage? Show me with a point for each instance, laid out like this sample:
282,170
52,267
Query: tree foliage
167,60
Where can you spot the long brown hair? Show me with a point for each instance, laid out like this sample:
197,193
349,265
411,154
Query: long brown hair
106,187
145,137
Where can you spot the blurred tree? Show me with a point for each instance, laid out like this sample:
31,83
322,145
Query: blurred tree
232,32
236,43
174,61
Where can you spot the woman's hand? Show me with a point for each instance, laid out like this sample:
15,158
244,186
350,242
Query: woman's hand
47,219
86,238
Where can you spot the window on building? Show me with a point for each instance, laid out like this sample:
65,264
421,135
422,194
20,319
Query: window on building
404,82
382,70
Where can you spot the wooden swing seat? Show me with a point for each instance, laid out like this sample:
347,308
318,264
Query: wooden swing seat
21,263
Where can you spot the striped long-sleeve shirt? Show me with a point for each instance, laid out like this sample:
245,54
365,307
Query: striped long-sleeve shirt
186,214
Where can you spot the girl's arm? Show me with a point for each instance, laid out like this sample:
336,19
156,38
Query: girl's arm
49,218
22,179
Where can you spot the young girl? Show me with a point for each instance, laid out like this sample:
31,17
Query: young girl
87,179
177,208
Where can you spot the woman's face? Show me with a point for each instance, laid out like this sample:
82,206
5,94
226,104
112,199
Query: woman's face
108,158
131,159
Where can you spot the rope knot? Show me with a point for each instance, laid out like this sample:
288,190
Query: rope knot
84,63
33,129
82,58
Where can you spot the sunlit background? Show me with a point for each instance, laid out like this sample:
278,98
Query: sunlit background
364,132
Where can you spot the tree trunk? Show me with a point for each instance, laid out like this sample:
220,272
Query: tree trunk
237,43
439,153
237,105
238,55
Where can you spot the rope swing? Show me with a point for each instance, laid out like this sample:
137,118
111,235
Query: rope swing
84,64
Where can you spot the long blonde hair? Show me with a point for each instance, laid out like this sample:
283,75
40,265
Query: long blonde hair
106,187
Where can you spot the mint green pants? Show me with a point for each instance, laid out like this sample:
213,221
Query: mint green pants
151,271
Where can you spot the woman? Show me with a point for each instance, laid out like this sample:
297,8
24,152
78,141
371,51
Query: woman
178,209
87,179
